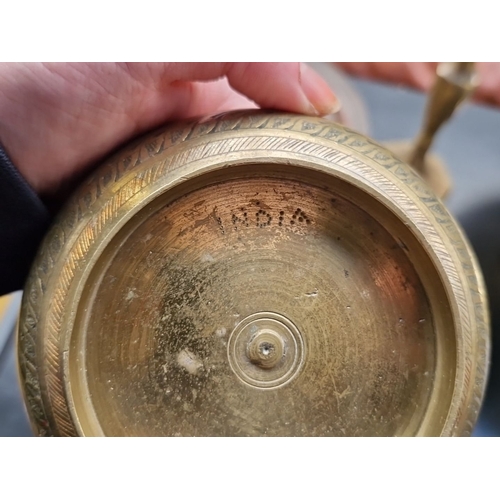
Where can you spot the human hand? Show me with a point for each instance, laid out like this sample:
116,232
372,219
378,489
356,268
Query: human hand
58,119
421,75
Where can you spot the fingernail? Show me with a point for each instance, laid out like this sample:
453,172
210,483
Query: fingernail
319,94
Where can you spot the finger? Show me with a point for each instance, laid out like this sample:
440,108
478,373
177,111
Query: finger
182,100
489,83
419,75
286,86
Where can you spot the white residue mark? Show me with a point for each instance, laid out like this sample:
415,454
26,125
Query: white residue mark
147,237
221,332
165,368
365,293
131,295
314,293
189,362
206,257
421,320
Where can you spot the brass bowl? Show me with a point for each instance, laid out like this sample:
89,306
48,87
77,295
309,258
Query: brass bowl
254,274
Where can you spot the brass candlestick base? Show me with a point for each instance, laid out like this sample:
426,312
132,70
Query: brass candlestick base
255,274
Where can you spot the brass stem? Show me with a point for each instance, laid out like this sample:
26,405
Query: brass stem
454,83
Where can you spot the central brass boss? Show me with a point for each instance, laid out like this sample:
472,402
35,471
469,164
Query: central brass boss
266,350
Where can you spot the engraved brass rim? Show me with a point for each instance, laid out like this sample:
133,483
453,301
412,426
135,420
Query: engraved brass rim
254,274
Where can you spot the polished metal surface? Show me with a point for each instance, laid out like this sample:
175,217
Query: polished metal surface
254,274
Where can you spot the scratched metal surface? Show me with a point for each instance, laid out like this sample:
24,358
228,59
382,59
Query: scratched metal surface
469,144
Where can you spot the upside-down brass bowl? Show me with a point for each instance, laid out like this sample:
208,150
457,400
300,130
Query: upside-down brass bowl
256,274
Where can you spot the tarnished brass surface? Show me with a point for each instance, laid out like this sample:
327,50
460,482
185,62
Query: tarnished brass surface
432,169
254,274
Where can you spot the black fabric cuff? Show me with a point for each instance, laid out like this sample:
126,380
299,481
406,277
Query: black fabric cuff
24,219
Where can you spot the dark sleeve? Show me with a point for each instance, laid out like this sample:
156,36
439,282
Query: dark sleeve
24,219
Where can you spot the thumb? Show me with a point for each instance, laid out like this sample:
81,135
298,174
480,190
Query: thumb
286,86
